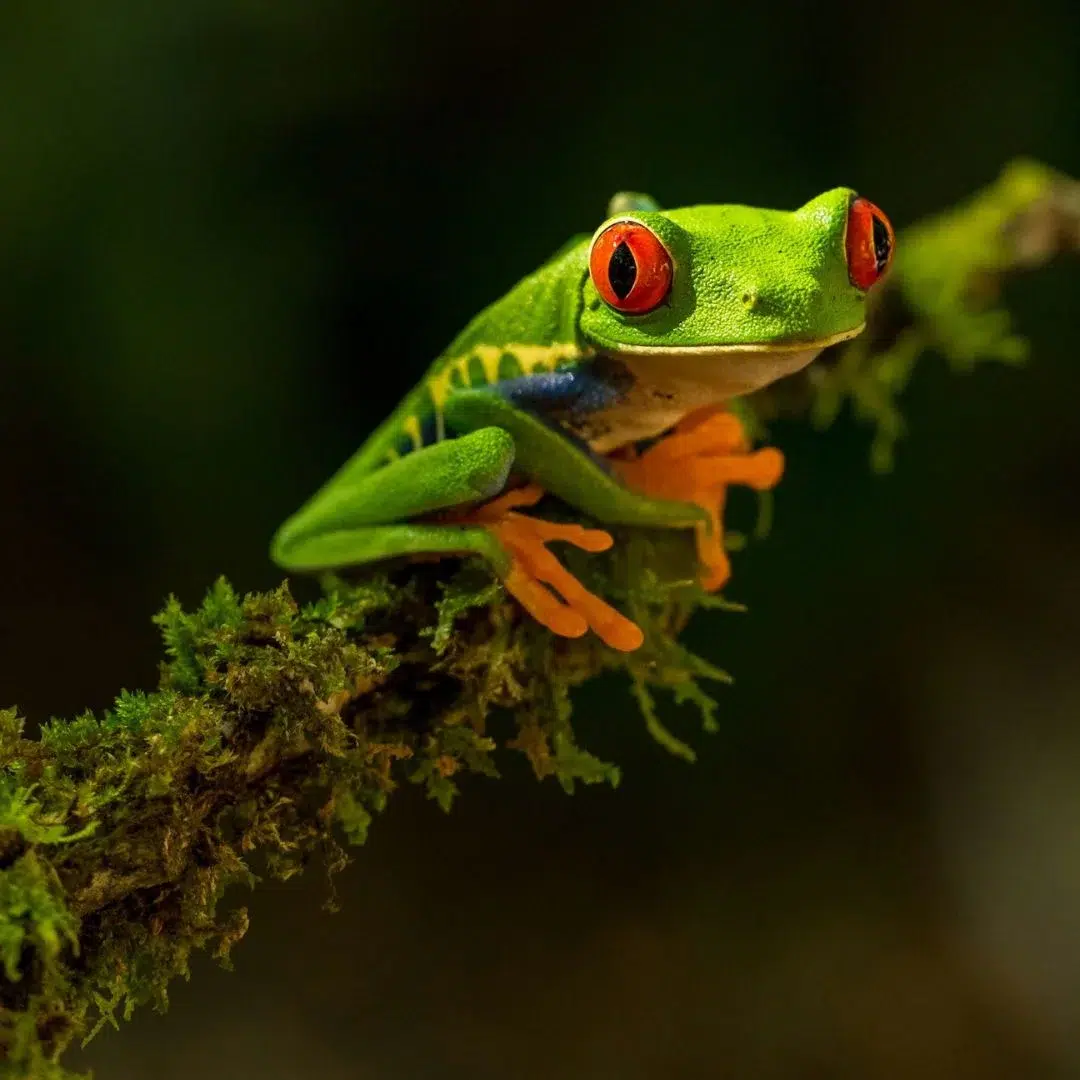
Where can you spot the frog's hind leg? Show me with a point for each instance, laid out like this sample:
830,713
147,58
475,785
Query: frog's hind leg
367,517
440,476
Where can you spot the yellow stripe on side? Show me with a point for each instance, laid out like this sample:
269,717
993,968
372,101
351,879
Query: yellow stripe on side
489,357
411,426
532,358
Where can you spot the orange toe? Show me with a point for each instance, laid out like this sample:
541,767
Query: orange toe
587,539
765,468
609,625
706,453
715,564
540,583
546,608
759,470
495,509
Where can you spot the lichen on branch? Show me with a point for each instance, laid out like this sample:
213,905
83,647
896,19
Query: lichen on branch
278,731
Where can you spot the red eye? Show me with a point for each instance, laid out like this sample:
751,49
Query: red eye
630,268
870,243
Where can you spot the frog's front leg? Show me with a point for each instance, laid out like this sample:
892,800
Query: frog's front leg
433,502
555,459
680,482
706,452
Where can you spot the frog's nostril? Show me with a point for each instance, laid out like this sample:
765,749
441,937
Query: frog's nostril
750,298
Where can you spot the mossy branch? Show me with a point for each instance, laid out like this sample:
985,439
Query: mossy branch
278,732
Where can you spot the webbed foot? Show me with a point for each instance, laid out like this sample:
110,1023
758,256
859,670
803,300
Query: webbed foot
707,451
570,610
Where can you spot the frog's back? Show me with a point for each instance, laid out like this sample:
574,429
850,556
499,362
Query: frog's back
532,328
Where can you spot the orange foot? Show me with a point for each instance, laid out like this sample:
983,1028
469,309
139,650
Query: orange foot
707,451
533,568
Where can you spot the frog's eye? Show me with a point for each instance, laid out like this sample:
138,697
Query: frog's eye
870,243
630,268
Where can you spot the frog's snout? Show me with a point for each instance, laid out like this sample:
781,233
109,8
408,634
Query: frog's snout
791,299
756,298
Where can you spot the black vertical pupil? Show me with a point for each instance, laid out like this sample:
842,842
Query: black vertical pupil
882,244
622,270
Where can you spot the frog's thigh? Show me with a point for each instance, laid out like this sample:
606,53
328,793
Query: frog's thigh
561,465
361,519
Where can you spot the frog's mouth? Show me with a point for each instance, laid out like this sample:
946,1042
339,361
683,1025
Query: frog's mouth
724,370
667,382
719,352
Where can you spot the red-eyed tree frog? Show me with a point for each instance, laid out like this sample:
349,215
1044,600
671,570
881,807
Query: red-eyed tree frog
638,336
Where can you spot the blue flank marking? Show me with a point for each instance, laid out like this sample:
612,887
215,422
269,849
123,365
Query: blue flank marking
574,391
550,396
569,393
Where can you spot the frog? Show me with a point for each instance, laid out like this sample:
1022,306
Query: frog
610,379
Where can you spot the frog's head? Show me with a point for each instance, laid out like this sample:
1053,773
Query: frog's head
759,291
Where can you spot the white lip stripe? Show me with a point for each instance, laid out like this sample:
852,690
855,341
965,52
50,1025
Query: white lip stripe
719,351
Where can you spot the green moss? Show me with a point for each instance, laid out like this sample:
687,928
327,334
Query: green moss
35,922
278,730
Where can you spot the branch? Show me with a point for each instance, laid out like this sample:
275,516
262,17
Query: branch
278,732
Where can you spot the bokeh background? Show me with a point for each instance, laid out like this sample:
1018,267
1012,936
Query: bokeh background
232,232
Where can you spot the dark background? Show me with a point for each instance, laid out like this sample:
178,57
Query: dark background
231,235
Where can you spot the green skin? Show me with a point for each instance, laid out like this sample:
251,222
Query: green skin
756,294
